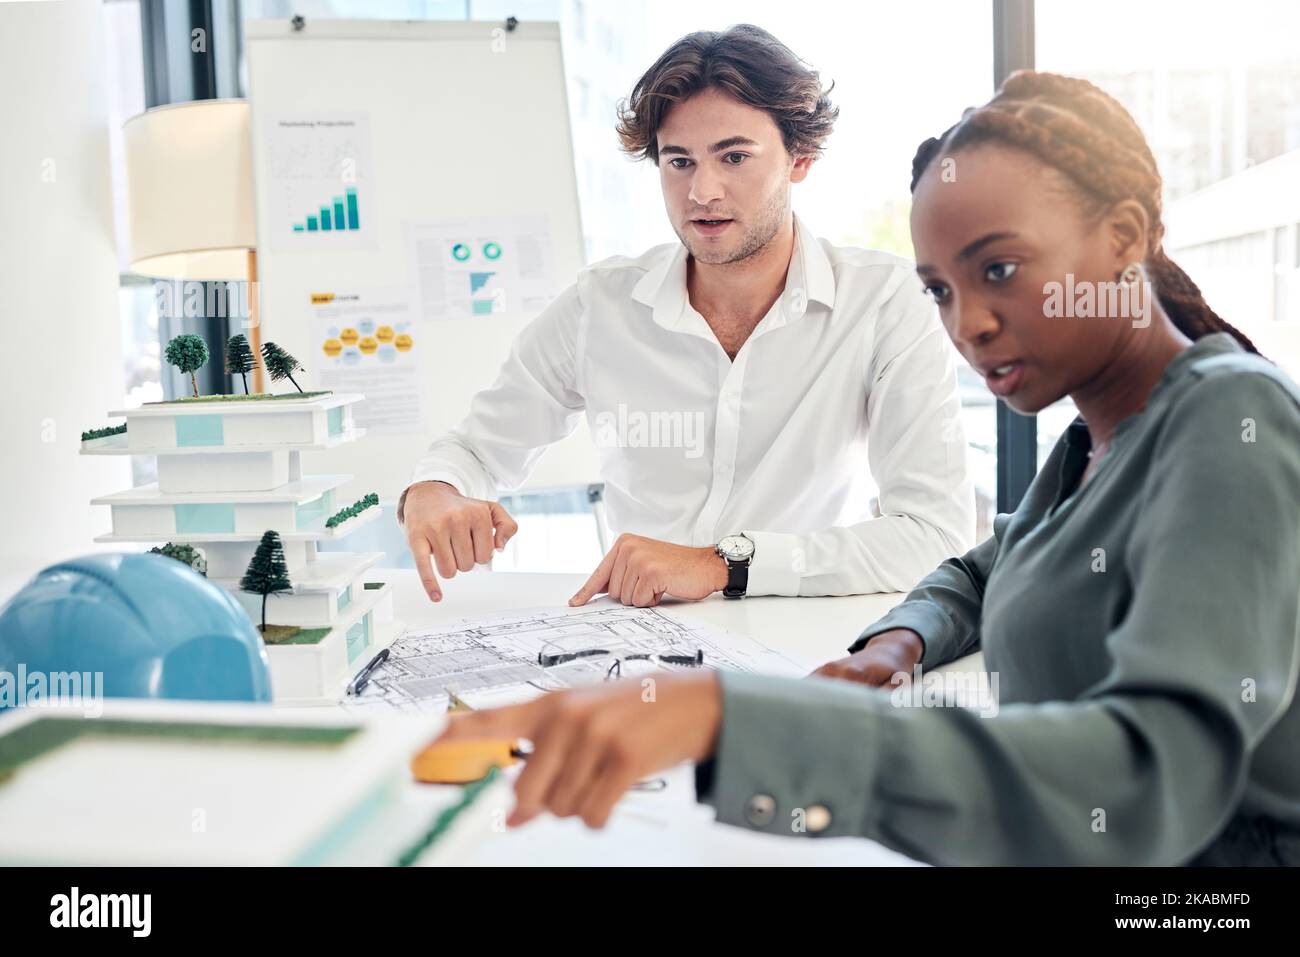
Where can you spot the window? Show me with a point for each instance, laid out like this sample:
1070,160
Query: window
208,518
141,364
582,100
1217,107
579,15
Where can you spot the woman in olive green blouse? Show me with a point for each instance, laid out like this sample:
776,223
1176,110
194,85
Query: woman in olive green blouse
1140,609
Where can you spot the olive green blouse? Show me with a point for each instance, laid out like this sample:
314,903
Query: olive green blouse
1143,633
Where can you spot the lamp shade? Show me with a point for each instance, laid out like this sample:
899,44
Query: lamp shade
190,180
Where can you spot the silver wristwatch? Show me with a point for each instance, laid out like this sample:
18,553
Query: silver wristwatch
737,551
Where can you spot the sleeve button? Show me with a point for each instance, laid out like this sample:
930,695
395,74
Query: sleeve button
817,818
760,810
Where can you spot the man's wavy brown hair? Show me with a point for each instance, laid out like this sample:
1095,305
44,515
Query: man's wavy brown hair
744,61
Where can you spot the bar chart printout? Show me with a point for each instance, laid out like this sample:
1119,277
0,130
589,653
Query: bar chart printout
319,168
342,214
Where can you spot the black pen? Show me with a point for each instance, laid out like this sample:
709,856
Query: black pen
363,676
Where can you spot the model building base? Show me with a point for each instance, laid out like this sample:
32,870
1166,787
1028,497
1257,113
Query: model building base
315,666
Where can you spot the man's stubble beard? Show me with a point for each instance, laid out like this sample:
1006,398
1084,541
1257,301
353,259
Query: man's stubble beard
768,223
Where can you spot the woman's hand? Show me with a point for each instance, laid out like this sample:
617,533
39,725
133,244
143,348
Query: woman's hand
592,744
884,656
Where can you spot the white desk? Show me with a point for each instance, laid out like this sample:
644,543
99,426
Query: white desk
810,631
656,828
647,829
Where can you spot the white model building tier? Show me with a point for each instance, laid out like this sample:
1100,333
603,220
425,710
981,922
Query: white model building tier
228,471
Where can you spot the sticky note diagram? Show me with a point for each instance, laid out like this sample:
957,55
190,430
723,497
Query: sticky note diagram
363,340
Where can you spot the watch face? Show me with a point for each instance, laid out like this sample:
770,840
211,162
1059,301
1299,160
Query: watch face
736,548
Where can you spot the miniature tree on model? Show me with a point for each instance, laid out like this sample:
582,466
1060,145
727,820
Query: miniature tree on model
279,363
189,353
240,359
186,555
267,573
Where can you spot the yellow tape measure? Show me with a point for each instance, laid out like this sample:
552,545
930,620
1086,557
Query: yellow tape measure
460,762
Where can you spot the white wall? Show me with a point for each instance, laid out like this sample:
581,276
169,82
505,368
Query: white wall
59,326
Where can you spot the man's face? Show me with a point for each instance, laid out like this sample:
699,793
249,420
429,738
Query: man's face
726,176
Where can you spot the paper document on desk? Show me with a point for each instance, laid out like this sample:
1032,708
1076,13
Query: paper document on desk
488,662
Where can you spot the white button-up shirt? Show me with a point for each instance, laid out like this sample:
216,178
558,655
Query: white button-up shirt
849,370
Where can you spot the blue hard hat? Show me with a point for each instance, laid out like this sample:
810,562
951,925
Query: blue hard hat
151,625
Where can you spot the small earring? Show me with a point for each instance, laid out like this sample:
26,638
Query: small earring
1138,299
1133,274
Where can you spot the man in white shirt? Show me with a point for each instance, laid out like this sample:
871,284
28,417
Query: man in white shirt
738,384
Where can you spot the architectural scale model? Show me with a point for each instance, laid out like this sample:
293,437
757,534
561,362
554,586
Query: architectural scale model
230,485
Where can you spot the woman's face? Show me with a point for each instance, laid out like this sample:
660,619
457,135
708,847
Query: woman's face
992,227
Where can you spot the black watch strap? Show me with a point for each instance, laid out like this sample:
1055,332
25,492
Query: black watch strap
737,579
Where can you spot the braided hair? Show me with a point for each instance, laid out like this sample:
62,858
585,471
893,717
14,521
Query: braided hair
1085,133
